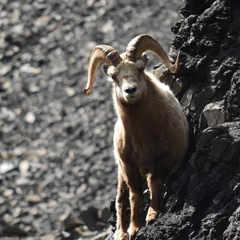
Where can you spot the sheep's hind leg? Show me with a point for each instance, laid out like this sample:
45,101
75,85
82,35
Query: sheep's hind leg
122,203
155,186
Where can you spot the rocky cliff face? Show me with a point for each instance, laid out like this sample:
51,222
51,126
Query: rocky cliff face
202,200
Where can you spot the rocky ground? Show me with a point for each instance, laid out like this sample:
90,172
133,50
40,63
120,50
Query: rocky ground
57,173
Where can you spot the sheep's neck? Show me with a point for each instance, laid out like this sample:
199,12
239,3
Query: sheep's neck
133,114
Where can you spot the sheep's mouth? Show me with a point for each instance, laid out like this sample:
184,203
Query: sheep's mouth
131,97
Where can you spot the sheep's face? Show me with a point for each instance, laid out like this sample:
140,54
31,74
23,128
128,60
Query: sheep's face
128,80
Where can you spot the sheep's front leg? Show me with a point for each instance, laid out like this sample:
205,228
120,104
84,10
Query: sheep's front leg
134,182
122,202
155,186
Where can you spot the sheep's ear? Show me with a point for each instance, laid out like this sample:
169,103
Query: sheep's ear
145,59
105,69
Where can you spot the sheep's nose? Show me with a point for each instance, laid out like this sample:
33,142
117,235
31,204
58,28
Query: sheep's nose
131,90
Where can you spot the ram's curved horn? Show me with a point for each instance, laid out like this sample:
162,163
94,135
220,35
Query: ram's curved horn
101,53
142,43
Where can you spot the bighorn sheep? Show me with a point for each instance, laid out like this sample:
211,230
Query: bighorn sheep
151,133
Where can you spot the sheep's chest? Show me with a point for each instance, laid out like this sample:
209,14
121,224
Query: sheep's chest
146,153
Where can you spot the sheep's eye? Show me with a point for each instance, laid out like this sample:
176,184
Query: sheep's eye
141,69
114,78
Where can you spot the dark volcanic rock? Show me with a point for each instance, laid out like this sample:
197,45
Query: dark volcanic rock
204,195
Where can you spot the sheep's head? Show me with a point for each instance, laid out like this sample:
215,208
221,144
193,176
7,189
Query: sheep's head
126,69
128,79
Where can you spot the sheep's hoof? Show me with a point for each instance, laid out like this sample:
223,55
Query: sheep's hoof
151,216
132,231
120,235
